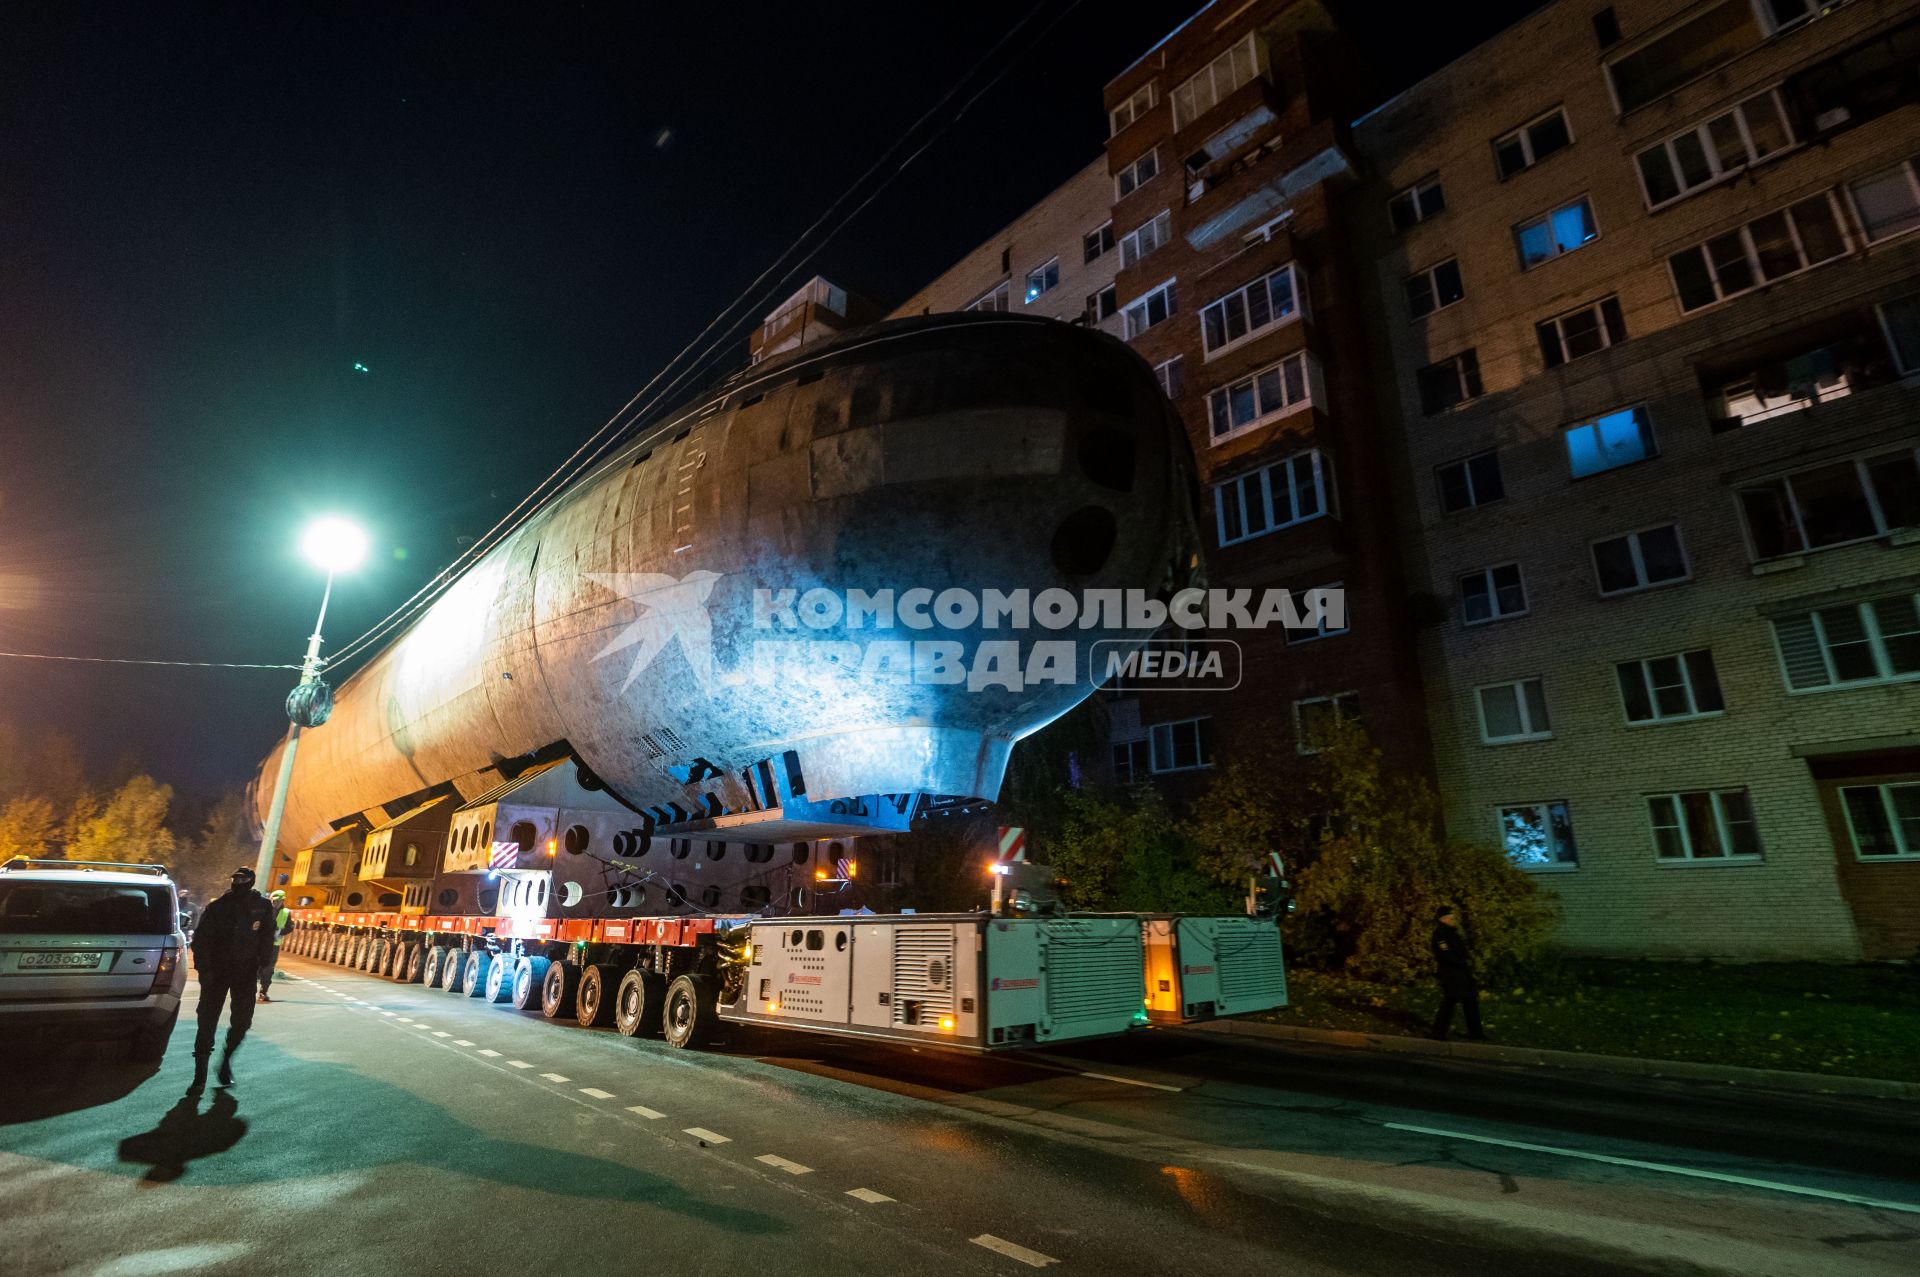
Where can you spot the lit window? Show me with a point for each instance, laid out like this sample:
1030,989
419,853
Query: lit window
1096,243
1250,310
1042,279
1270,498
1888,202
1779,387
1784,242
1704,825
1167,373
1421,202
1532,142
1851,644
1578,333
1661,689
1513,712
1138,243
1434,289
1538,835
1834,504
1639,560
1493,594
1182,746
1449,383
1220,77
1714,149
1152,308
1474,481
1315,716
1883,820
1138,174
1556,233
1138,103
1617,439
995,300
1254,400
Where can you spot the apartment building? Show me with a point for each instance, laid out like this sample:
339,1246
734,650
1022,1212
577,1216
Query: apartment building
1646,284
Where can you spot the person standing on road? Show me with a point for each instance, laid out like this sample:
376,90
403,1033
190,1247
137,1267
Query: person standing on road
234,940
282,924
1453,963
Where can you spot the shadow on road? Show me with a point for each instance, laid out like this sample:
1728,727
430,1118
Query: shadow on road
185,1134
50,1079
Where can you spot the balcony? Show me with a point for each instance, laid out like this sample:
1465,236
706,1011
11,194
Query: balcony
1798,372
1261,182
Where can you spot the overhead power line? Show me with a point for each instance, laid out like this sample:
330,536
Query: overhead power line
117,660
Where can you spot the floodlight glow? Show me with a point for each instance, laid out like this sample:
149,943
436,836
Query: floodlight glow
334,544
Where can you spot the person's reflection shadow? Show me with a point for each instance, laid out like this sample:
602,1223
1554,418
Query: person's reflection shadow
184,1134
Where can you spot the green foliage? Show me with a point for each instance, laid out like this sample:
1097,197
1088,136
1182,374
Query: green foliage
1046,766
1124,851
130,827
27,828
204,863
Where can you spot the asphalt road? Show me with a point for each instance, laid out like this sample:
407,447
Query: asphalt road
379,1127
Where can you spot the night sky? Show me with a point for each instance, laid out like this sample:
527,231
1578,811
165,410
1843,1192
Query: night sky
511,217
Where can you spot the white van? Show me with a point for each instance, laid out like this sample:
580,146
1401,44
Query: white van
90,949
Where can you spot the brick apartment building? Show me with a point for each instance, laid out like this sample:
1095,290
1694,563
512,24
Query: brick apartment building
1647,299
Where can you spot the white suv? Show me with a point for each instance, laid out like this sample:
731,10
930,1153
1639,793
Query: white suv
90,948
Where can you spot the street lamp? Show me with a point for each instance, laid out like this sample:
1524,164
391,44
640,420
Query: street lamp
334,545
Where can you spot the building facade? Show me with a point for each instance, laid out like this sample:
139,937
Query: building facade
1647,296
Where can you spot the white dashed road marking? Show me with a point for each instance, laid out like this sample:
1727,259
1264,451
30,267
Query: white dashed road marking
1032,1258
644,1111
711,1137
518,1064
441,1033
868,1196
1132,1081
781,1163
461,1042
389,1013
491,1055
596,1092
554,1077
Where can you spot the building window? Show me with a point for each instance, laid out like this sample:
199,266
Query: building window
1778,387
1513,712
1859,83
1532,142
1851,644
1261,397
1900,320
1888,202
1103,304
997,299
1216,80
1579,333
1138,243
1096,243
1152,308
1423,201
1539,835
1315,716
1181,747
1555,233
1639,560
1250,310
1704,825
1883,820
1043,278
1616,439
1784,242
1138,174
1714,149
1474,481
1449,383
1493,594
1435,288
1682,54
1136,105
1834,504
1172,384
1270,498
1322,627
1132,760
1662,689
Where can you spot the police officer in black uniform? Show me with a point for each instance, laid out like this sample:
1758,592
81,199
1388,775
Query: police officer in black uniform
234,939
1453,962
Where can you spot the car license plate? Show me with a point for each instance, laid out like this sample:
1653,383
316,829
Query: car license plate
84,961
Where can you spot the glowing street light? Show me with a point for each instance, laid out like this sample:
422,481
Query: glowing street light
333,545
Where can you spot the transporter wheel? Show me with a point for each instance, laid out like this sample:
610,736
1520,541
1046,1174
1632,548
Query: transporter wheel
691,1011
594,1007
639,1004
498,985
433,966
557,990
324,949
402,951
342,944
413,970
480,964
371,955
529,977
453,971
356,949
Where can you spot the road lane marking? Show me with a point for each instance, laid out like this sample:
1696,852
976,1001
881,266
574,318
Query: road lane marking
461,1042
491,1055
518,1064
1032,1258
441,1033
644,1111
596,1092
781,1163
868,1196
555,1077
389,1013
1911,1208
711,1137
1133,1081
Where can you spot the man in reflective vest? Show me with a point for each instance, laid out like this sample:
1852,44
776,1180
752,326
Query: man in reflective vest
282,924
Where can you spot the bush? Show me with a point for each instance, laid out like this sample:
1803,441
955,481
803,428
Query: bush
1121,850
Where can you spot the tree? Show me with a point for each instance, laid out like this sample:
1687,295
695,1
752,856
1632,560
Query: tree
226,841
131,826
27,828
1123,850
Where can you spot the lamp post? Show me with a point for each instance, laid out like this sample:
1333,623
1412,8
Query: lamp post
333,545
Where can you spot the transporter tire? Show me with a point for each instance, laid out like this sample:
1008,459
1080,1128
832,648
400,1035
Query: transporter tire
356,949
480,964
323,948
402,951
342,945
692,1011
557,990
433,966
529,977
413,969
370,956
497,987
453,971
639,1004
593,1006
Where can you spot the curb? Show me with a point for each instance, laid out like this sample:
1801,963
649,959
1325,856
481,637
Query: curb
1632,1065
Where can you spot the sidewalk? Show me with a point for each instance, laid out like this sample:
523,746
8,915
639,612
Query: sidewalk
1493,1053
